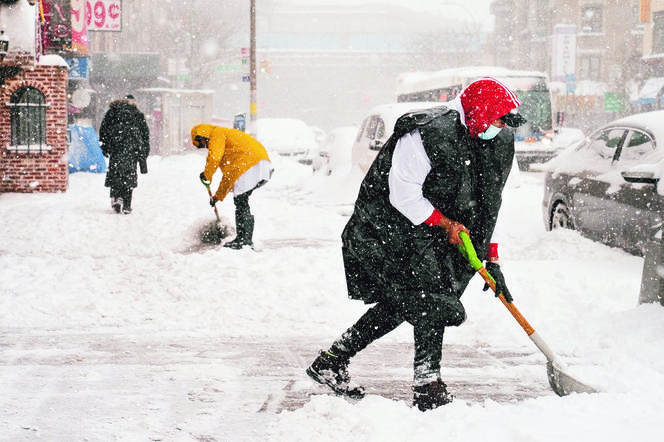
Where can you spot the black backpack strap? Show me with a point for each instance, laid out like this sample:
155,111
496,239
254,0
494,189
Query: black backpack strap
414,119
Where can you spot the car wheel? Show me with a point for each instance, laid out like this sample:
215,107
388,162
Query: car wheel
561,217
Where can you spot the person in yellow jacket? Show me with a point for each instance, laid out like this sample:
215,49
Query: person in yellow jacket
245,166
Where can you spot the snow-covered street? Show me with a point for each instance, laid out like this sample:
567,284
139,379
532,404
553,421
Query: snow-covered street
126,328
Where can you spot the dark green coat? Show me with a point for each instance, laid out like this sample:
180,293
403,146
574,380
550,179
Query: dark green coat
125,140
385,255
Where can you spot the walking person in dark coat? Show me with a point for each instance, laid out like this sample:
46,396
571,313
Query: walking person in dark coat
441,172
125,140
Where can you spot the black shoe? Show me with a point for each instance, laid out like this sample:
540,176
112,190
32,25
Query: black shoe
116,204
332,371
126,210
237,244
432,395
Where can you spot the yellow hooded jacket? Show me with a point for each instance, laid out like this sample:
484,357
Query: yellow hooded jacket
232,151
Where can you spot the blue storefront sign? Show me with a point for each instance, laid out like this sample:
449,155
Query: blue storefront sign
240,122
78,67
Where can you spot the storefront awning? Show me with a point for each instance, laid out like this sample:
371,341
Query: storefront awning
651,90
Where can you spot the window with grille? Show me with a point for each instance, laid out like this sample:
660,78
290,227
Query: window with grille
591,19
637,25
27,109
589,67
658,33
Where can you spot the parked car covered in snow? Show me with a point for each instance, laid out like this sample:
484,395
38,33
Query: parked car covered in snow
285,136
335,151
376,128
565,137
608,187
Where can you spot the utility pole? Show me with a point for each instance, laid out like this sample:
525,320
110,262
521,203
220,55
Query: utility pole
252,69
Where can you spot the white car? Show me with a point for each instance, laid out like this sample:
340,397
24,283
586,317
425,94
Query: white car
286,136
335,151
377,127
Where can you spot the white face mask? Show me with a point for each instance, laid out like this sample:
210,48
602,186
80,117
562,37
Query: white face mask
490,132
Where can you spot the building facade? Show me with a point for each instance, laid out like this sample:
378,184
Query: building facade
593,51
651,95
33,107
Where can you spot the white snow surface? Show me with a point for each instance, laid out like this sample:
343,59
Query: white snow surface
120,327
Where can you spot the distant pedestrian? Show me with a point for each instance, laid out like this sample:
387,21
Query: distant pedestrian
125,140
244,165
442,172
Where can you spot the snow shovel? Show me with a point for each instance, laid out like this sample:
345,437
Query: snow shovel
214,232
560,381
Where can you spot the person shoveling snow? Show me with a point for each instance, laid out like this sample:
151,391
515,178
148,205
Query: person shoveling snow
245,166
441,172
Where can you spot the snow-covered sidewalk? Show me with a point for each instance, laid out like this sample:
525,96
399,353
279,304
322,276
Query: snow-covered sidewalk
123,328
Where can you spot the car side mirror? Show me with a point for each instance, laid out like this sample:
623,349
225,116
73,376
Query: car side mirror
376,145
639,176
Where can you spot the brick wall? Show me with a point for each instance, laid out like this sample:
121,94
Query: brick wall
36,172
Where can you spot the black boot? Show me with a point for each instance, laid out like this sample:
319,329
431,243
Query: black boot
126,202
431,395
116,204
244,230
236,244
332,371
244,223
331,367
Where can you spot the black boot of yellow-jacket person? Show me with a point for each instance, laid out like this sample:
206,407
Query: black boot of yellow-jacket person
244,223
244,234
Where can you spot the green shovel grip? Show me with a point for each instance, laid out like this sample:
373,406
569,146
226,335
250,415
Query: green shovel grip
468,251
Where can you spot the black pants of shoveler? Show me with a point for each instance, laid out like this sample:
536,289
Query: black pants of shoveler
381,319
244,220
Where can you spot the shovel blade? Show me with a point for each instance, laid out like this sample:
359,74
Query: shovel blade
215,233
562,383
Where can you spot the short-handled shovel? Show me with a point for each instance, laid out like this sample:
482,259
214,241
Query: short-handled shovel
561,382
216,212
214,233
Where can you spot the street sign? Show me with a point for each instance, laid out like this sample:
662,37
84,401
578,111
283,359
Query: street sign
229,67
614,101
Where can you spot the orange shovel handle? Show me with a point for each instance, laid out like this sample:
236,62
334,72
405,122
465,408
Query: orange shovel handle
510,305
215,206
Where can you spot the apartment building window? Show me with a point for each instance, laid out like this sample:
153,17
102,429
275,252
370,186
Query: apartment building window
591,19
27,110
589,66
658,33
637,25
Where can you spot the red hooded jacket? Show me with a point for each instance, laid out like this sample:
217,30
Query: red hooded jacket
484,101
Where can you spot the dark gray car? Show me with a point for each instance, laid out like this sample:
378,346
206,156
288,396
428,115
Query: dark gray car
608,186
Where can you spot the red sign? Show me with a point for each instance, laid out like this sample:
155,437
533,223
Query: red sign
63,29
79,29
104,15
57,25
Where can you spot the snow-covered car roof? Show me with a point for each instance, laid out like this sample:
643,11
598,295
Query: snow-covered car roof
652,122
285,136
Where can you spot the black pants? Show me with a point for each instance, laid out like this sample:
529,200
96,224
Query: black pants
124,193
244,220
381,319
